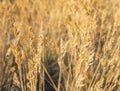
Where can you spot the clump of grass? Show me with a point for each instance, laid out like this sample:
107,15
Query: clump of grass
49,45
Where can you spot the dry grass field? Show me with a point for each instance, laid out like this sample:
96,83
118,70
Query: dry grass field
59,45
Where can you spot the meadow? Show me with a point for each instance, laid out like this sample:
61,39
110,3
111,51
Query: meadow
59,45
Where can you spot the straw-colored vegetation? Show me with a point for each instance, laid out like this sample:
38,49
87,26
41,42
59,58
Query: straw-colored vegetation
59,45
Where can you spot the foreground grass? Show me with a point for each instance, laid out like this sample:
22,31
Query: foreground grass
58,45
